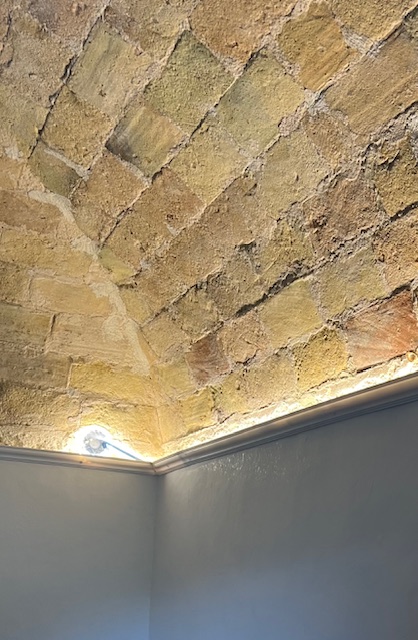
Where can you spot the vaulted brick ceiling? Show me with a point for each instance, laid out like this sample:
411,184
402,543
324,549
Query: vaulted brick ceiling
207,212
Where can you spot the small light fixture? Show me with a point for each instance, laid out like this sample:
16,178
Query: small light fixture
95,440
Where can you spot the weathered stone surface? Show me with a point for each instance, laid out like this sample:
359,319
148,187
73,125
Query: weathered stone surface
53,295
207,360
54,173
293,169
290,314
371,18
236,29
243,338
383,332
322,358
287,248
136,306
259,386
145,137
41,253
170,422
160,284
396,246
255,104
27,406
159,213
71,21
21,120
346,281
195,312
397,180
163,336
197,411
346,209
100,379
331,136
76,128
110,188
10,172
14,283
120,273
175,378
22,326
108,70
29,366
209,162
379,87
190,85
315,43
18,210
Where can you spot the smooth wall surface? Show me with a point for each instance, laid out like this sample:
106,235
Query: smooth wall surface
75,553
311,538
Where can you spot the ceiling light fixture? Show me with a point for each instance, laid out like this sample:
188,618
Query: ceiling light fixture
97,442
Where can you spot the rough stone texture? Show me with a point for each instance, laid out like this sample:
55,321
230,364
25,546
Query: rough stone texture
145,138
371,18
345,282
290,314
191,83
195,312
27,406
243,338
21,119
206,360
383,332
23,326
331,136
14,283
163,336
175,378
315,43
30,366
70,21
396,246
322,358
55,174
197,411
397,180
255,104
18,210
53,295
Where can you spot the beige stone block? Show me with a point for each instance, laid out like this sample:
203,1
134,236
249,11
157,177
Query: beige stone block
70,21
10,172
190,85
23,326
54,173
145,138
42,254
175,378
108,70
255,104
293,169
28,406
260,385
347,281
119,270
14,283
290,314
244,338
159,213
286,249
320,359
21,121
170,422
383,332
372,18
341,213
136,305
30,366
397,180
44,438
160,284
117,384
396,246
331,136
314,42
76,129
207,360
195,312
379,87
197,411
18,210
163,336
209,163
235,29
56,296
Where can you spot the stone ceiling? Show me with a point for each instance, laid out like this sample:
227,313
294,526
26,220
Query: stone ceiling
208,212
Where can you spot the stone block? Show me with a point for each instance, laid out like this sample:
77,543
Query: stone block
160,284
30,366
386,330
197,411
314,42
368,95
341,213
290,314
396,246
164,337
347,281
111,187
397,180
195,312
244,338
120,273
14,283
256,103
23,326
331,136
175,378
191,83
170,422
54,173
70,21
62,297
20,405
21,121
236,29
209,163
293,169
371,18
136,306
10,172
207,360
76,129
108,70
145,138
320,359
18,210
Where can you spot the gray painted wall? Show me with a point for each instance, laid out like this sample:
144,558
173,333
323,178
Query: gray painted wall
75,553
311,538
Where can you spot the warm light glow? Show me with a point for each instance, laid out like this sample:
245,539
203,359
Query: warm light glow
77,444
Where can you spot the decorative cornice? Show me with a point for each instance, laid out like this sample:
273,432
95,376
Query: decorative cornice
384,396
